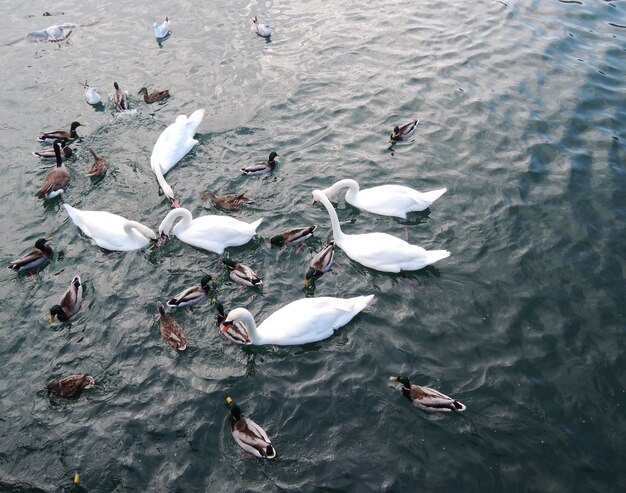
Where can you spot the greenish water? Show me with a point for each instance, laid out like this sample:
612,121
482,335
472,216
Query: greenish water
522,108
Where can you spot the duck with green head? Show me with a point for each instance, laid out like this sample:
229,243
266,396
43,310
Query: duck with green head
191,296
427,399
67,135
33,259
70,303
241,274
249,435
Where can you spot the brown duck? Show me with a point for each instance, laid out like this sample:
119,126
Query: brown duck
154,96
70,386
171,331
99,166
57,180
229,201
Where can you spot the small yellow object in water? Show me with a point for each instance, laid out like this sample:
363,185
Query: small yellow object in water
76,478
228,400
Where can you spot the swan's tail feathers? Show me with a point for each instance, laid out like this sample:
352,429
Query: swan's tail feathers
73,213
433,256
433,194
256,223
360,302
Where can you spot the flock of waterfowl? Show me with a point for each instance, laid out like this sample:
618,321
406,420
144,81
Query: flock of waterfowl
302,321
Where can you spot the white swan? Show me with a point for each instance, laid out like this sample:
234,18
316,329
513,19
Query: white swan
110,231
212,233
172,145
386,200
379,251
300,322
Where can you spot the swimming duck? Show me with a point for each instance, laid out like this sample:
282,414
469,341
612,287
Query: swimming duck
70,386
162,30
387,200
99,166
171,146
34,258
70,303
241,274
320,264
262,167
379,251
191,296
292,236
262,30
427,399
154,96
119,98
110,231
66,135
91,94
405,131
300,322
171,331
228,201
249,435
212,233
57,180
66,152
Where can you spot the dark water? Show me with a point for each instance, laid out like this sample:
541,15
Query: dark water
522,111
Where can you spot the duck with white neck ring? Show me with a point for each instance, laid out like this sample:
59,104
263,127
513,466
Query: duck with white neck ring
379,251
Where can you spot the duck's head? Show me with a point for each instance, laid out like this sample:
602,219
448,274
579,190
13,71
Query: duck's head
56,311
234,408
395,133
273,155
75,125
403,380
277,240
204,282
40,244
143,90
117,88
230,263
160,308
309,277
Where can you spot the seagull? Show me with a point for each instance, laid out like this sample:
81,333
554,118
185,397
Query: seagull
91,94
163,30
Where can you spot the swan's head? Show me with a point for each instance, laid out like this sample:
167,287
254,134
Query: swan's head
317,194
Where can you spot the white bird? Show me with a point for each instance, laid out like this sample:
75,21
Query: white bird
379,251
110,231
261,29
172,145
161,31
300,322
212,233
54,33
91,94
387,200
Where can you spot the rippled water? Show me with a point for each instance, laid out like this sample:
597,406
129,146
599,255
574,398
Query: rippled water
522,110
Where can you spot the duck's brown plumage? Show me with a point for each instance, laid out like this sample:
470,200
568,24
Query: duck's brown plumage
292,236
171,331
228,201
71,302
99,166
119,98
34,258
70,386
62,134
57,180
154,96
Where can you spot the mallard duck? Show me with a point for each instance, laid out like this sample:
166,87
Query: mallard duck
403,132
379,251
91,94
241,274
228,201
70,386
70,303
66,152
427,399
292,236
66,135
191,296
249,435
171,331
34,258
57,180
162,30
119,98
300,322
262,30
154,96
262,167
387,200
320,264
212,233
110,231
99,166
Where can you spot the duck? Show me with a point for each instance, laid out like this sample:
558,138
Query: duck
249,435
171,331
57,180
404,131
162,30
221,315
212,233
191,296
229,201
386,200
119,98
91,94
70,386
154,96
110,231
171,146
99,166
320,264
33,259
70,303
427,399
241,274
292,236
262,30
67,135
262,167
379,251
66,152
300,322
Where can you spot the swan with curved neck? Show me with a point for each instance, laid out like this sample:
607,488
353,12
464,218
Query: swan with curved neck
212,233
110,231
379,251
386,200
300,322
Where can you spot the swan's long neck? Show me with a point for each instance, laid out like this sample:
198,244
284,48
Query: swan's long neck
168,223
247,318
334,220
167,190
138,231
351,185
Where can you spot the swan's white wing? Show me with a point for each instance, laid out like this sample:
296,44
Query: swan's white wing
215,233
394,200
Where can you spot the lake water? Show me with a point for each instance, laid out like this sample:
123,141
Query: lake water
522,108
